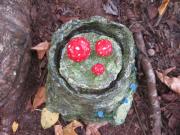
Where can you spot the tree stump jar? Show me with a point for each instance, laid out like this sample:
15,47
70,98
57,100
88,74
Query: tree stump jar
92,74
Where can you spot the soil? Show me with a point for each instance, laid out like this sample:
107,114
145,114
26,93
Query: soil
162,44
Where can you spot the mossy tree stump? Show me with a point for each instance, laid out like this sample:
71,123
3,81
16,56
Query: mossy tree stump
72,88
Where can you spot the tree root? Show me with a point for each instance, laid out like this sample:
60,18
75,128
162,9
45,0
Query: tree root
150,75
153,96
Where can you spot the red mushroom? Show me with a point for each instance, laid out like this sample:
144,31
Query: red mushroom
98,69
103,47
78,49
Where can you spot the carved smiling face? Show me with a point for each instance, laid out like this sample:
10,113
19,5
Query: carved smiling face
90,61
96,87
79,50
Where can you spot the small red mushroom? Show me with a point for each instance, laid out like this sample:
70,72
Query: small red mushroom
98,69
78,49
103,47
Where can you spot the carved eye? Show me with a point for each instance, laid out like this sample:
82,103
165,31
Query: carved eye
78,49
103,47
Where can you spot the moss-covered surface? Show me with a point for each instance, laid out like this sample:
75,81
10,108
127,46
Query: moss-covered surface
80,75
108,104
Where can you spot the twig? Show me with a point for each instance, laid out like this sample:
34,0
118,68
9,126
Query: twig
153,96
158,21
38,110
151,80
139,120
162,9
126,133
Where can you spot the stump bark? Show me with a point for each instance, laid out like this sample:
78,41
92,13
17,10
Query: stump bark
15,60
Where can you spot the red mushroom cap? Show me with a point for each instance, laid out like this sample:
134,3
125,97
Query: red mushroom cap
78,49
98,69
103,47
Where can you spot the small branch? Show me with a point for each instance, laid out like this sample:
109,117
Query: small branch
153,96
158,21
151,80
162,9
139,119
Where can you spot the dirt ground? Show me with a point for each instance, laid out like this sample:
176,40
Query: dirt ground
162,43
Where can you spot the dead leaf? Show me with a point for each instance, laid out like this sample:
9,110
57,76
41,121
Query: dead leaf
152,11
29,105
173,122
48,118
172,82
39,98
93,129
70,128
15,126
170,97
58,130
162,8
110,8
89,7
65,19
41,49
169,70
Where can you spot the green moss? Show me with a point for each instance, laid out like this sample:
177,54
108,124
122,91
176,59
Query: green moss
80,75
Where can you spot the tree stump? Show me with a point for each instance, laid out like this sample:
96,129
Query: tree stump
73,91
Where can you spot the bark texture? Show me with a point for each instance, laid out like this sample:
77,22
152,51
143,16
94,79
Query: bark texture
15,59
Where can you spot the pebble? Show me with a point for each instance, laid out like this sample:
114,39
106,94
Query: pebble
151,52
133,87
125,100
100,114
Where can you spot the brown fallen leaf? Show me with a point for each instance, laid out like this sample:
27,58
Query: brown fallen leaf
15,126
70,128
93,129
65,19
169,70
29,105
152,11
110,8
172,82
39,98
41,49
58,130
162,8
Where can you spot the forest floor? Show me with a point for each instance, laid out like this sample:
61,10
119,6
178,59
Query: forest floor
162,44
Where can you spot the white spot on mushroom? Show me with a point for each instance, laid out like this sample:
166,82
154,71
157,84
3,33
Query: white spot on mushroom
69,46
77,48
104,48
